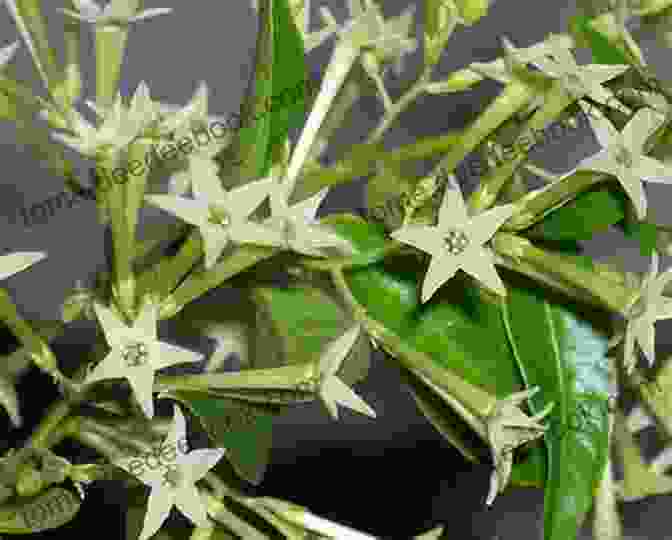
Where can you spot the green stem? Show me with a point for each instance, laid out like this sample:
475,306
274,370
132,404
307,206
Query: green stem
488,190
537,204
44,432
615,297
124,282
476,400
169,271
200,282
514,96
401,105
38,349
366,159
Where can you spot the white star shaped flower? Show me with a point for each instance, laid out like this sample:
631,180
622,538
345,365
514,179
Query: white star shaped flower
299,227
650,307
456,242
622,154
18,262
182,122
221,216
332,390
136,353
580,81
508,427
388,41
114,14
120,126
512,66
174,484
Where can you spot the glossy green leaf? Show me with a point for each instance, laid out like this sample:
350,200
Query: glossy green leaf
644,232
303,319
602,51
367,239
277,100
562,348
244,429
458,329
592,212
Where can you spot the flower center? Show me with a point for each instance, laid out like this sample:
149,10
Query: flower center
172,477
623,156
135,354
219,216
456,242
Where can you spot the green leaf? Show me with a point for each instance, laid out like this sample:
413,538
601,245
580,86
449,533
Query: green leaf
603,52
367,239
644,232
244,429
593,211
277,102
303,319
561,348
458,329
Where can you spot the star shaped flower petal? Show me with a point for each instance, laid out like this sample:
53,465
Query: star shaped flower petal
18,262
116,13
508,427
650,307
580,81
332,390
300,230
513,66
136,353
174,484
222,216
456,242
622,154
119,127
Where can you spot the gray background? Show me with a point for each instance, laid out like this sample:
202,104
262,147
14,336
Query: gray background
413,479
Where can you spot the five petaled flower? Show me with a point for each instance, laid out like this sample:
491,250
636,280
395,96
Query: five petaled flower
512,67
456,242
194,118
174,484
136,353
120,126
301,233
580,81
508,428
116,13
221,216
332,390
650,306
622,154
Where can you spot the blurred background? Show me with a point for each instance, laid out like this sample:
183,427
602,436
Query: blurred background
393,477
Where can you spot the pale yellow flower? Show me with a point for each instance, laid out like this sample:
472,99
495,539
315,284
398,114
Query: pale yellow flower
173,484
456,242
221,216
136,353
622,154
